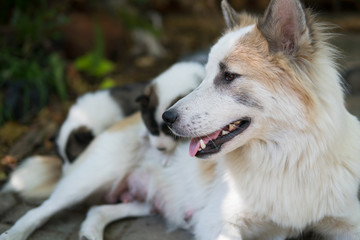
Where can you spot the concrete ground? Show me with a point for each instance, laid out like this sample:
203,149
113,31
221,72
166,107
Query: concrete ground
65,226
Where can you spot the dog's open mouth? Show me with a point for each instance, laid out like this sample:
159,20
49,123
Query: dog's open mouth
210,144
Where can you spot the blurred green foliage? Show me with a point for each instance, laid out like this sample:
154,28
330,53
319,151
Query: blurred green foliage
107,82
25,80
32,67
29,69
94,63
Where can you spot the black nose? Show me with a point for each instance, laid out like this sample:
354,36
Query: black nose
170,117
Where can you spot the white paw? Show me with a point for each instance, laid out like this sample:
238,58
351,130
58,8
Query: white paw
8,235
12,235
4,236
93,226
90,235
90,232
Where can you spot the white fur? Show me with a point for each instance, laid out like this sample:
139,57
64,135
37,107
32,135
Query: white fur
285,173
178,190
97,111
37,176
84,178
222,48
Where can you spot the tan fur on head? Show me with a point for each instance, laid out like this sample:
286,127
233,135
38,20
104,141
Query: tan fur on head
289,51
253,51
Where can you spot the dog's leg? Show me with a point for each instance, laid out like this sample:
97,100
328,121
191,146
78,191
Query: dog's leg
230,232
280,237
35,218
233,232
98,167
100,216
72,189
65,195
344,228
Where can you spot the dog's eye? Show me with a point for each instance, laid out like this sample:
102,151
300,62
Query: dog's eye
230,76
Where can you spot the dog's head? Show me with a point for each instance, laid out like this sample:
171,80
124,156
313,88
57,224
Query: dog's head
162,93
92,114
257,82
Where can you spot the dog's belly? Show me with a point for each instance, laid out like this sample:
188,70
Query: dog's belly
138,185
178,192
132,187
142,185
150,186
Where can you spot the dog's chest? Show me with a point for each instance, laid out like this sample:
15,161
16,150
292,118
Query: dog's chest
284,198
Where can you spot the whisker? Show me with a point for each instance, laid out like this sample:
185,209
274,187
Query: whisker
212,140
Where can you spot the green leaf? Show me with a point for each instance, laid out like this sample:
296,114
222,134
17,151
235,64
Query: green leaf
94,63
104,67
2,176
57,65
86,64
107,83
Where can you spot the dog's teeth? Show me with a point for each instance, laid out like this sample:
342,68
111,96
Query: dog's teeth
237,122
202,144
231,127
224,132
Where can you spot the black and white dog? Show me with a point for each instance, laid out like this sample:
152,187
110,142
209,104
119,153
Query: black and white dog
133,162
91,114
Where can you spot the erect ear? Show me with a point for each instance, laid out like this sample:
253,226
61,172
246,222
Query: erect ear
230,15
284,26
143,100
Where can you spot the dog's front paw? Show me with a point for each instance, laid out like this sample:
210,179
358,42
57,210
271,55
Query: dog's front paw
85,238
11,235
8,236
90,233
4,236
90,236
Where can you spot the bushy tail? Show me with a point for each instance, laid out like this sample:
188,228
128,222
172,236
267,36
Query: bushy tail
35,178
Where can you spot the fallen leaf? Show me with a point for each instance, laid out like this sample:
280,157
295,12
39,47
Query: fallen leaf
11,131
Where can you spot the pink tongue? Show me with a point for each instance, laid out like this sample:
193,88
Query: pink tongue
195,142
194,146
